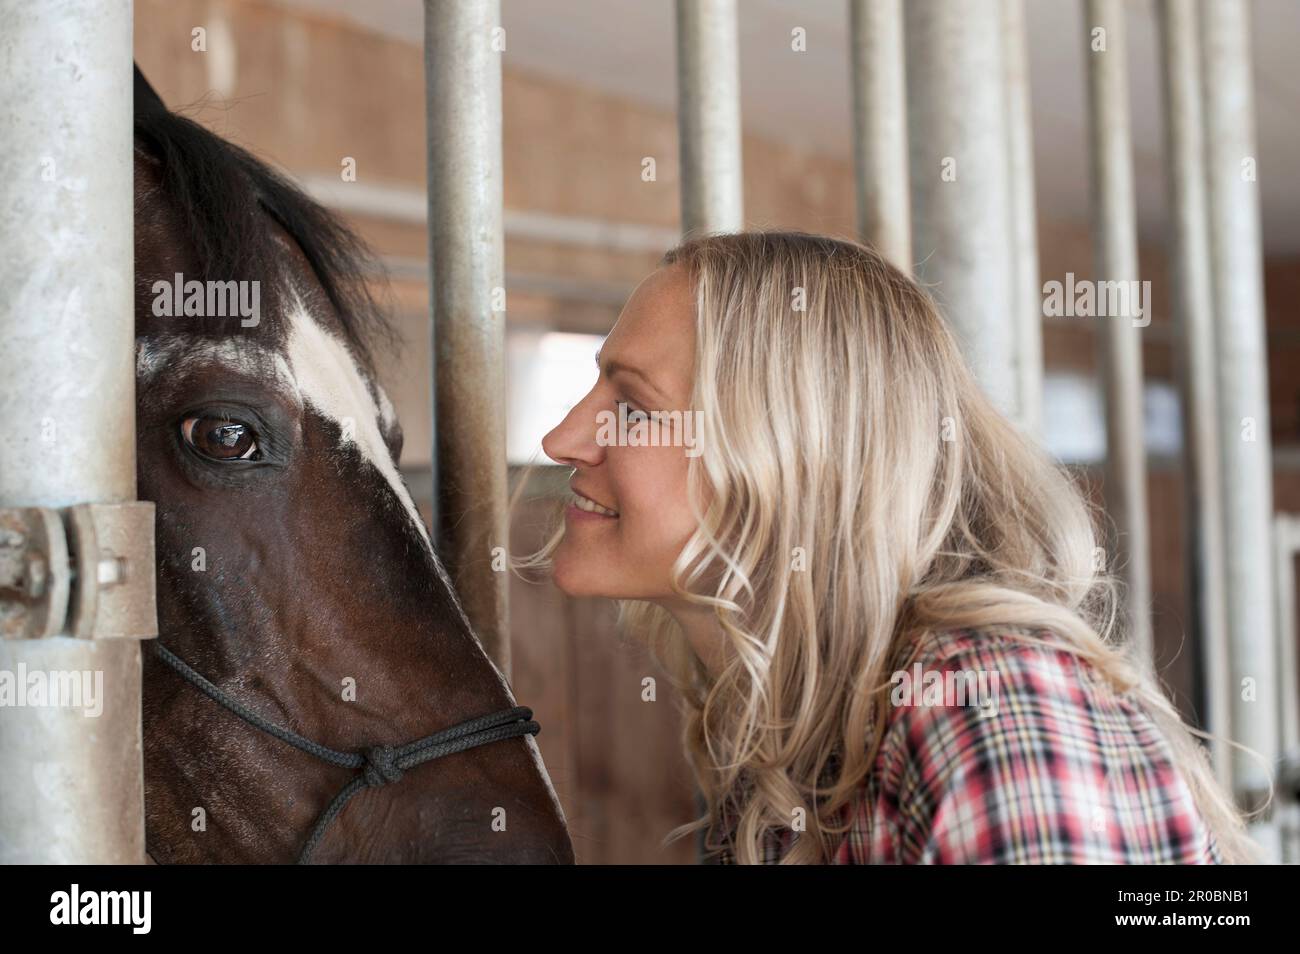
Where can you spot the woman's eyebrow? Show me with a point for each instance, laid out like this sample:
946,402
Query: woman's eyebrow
613,367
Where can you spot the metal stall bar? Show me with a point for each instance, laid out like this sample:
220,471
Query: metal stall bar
1286,547
880,128
463,42
961,223
1246,447
1115,251
708,116
1026,291
708,126
1192,304
76,555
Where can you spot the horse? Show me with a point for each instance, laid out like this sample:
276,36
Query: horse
296,579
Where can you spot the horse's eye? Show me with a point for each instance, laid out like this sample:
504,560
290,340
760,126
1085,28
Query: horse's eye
220,438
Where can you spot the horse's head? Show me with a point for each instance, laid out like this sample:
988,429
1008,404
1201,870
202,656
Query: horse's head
294,571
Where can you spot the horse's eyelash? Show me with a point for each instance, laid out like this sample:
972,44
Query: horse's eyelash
268,441
229,415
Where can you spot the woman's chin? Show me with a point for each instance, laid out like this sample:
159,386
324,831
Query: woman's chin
588,578
572,578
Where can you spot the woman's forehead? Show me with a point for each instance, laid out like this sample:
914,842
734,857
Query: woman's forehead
661,306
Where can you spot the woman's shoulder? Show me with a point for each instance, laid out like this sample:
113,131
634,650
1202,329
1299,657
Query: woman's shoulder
949,672
1004,745
975,675
1002,643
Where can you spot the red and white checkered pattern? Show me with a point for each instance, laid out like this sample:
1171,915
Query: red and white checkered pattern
1064,772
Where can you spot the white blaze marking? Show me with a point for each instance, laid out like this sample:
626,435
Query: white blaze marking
387,413
329,380
177,355
322,373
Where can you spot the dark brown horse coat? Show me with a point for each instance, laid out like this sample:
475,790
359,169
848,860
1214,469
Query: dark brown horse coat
293,569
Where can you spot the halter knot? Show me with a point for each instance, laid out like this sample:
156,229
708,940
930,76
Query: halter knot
381,766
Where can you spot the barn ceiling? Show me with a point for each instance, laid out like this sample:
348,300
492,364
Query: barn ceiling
625,47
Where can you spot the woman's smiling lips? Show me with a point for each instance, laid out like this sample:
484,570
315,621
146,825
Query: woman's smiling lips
584,508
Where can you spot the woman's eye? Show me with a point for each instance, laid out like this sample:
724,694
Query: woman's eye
220,438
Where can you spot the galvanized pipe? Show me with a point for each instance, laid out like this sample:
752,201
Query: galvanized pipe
958,148
1026,292
1193,314
880,128
1246,447
71,786
708,116
1286,547
462,62
1115,252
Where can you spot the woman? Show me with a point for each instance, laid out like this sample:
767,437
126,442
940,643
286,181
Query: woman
850,534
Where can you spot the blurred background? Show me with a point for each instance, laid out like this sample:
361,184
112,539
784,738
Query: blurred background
589,93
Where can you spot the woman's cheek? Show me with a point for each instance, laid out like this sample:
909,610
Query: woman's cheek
655,535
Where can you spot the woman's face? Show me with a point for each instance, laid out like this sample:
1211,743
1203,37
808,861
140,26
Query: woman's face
626,549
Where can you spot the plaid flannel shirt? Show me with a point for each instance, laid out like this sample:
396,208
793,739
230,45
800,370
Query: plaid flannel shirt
1059,769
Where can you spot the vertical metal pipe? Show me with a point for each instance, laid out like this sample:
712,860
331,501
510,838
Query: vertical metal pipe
1192,310
1237,273
708,125
880,128
71,786
961,223
1026,291
462,62
708,116
1286,546
1115,252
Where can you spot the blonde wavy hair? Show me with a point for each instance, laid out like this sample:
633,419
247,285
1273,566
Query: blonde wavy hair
857,489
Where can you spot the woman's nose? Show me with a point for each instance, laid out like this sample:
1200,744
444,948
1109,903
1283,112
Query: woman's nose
573,441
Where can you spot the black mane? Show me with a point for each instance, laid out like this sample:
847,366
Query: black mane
222,194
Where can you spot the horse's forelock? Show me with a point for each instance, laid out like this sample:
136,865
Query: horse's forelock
236,212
